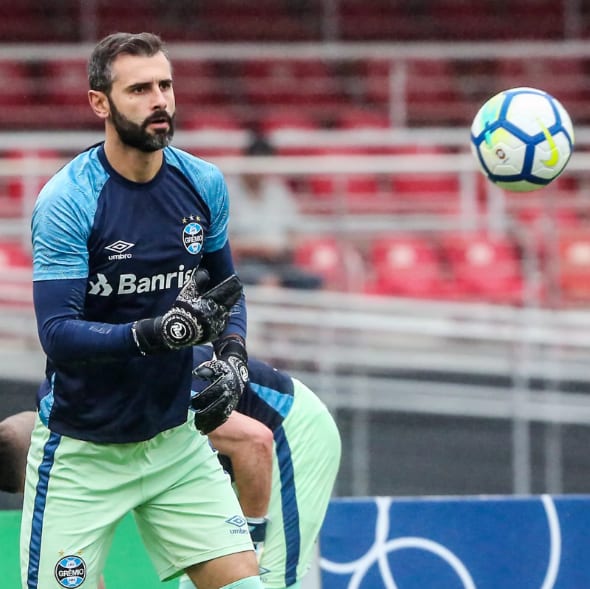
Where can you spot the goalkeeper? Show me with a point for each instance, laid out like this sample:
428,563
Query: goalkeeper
131,268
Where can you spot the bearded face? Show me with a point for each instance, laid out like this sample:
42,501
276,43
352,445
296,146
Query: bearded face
140,136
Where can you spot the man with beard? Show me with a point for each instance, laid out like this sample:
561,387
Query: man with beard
131,268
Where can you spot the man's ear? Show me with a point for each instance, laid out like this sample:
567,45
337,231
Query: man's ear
99,103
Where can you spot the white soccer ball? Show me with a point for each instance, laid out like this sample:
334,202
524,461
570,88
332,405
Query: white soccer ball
522,138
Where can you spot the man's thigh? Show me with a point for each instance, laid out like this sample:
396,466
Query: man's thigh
197,516
77,492
70,510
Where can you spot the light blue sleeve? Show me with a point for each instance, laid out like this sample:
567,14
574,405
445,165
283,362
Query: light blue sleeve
62,220
210,183
219,206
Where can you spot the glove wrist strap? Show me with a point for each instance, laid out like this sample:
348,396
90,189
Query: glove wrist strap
147,337
232,345
136,340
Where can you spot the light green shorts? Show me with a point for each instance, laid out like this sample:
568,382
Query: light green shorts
305,464
77,492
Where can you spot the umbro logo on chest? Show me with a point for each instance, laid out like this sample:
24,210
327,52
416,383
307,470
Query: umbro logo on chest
119,248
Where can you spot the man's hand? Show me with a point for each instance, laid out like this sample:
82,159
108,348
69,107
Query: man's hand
196,317
228,375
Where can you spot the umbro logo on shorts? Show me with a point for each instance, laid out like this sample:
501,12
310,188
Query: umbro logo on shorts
241,526
236,520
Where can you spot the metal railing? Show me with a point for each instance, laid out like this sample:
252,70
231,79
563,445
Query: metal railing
480,361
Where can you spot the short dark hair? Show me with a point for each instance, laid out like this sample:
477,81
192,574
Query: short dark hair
99,65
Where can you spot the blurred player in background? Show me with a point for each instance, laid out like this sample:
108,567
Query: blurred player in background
15,439
264,252
128,239
282,449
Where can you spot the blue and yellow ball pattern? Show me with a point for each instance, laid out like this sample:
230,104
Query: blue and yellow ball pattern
522,139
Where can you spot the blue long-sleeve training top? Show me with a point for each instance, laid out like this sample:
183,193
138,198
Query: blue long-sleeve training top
107,252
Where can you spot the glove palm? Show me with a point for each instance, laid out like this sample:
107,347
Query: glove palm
228,375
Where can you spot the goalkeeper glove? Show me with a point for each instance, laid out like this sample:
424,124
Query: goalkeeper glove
228,375
195,317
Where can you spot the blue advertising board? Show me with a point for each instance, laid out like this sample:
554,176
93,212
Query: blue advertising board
539,542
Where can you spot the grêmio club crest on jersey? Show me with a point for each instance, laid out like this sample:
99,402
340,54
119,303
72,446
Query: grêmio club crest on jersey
192,235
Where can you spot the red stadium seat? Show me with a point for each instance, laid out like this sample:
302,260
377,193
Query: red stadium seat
281,118
224,126
409,266
354,117
574,267
431,92
484,267
211,118
21,95
177,22
65,87
435,192
14,255
284,82
338,263
371,21
17,88
264,20
66,82
543,227
13,190
426,190
564,217
15,275
374,75
355,193
196,82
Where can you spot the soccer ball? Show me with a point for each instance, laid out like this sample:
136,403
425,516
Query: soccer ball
522,139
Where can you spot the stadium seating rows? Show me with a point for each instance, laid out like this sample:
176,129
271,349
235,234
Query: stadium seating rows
328,93
320,94
453,266
280,20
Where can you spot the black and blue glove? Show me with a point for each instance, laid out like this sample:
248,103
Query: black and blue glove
228,375
196,316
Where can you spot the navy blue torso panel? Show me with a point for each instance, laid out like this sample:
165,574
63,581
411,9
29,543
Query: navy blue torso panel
130,247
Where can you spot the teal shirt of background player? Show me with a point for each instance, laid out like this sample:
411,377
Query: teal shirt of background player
107,252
